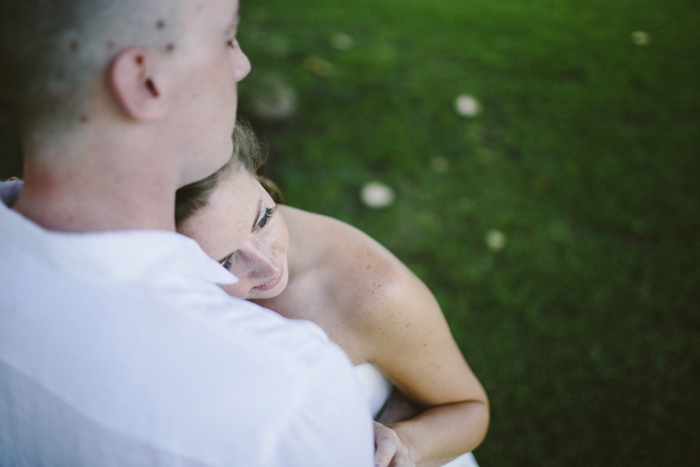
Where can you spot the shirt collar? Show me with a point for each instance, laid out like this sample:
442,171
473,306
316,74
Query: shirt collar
113,255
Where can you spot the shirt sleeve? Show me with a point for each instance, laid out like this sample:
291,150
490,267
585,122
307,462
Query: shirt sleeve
332,424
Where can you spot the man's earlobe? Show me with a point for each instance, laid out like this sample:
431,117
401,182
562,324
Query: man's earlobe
135,89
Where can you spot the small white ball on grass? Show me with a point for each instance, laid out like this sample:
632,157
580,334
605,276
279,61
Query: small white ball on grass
467,106
641,38
495,240
377,195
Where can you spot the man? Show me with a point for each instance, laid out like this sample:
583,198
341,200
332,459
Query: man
116,346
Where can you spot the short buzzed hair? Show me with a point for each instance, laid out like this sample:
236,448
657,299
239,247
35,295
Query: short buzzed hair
52,50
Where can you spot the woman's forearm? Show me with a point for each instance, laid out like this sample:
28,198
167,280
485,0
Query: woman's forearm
442,433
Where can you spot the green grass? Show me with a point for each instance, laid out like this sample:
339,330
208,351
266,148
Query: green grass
583,329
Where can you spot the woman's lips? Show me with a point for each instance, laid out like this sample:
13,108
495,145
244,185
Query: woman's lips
271,283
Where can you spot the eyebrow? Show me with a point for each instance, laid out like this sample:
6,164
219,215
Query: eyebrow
257,216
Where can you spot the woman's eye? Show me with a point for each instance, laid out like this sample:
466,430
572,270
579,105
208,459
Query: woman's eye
269,212
227,263
232,43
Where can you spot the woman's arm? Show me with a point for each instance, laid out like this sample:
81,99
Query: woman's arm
377,310
406,335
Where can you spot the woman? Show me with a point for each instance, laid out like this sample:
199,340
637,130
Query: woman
307,266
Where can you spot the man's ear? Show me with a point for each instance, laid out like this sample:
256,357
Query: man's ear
134,87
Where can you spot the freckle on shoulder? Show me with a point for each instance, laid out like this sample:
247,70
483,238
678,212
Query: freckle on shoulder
356,257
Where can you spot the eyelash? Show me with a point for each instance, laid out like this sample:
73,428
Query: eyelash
265,219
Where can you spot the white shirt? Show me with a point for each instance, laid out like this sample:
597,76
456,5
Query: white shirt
118,349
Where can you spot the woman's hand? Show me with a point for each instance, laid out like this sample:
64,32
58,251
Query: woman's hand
389,449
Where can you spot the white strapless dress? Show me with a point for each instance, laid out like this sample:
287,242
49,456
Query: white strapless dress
377,388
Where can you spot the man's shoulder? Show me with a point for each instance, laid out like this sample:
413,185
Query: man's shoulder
216,374
256,335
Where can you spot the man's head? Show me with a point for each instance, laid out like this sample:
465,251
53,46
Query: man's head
51,50
103,66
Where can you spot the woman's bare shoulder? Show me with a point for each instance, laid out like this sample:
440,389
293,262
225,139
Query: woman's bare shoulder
354,256
383,313
364,278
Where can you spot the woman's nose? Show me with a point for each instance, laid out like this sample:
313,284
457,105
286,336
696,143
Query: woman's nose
260,263
242,65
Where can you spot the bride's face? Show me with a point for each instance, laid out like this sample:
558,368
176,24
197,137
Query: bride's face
241,228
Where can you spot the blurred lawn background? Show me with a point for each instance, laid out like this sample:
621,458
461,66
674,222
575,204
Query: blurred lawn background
585,156
583,325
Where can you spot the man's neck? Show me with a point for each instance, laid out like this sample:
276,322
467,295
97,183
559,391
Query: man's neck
96,200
